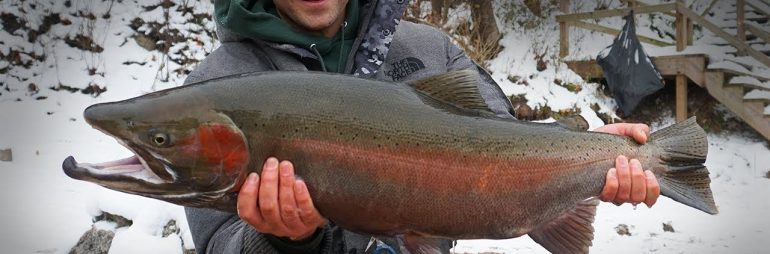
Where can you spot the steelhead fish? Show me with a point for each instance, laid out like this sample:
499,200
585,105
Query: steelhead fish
423,160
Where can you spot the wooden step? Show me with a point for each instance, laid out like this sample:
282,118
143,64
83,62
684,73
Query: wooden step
748,13
761,6
731,23
761,47
754,41
757,95
735,69
748,81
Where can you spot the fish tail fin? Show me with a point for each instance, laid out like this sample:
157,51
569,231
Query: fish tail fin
685,178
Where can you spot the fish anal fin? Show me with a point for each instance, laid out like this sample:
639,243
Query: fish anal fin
571,232
417,244
459,88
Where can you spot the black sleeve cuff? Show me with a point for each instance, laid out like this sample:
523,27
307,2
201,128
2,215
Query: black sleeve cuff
311,245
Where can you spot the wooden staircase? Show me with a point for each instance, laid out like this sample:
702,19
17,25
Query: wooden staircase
746,97
745,91
738,78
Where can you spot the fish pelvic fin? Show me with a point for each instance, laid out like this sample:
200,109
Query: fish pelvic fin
685,178
571,232
413,243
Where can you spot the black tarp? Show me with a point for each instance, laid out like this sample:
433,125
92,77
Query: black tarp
630,74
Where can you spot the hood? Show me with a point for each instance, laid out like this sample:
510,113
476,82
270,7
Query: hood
377,23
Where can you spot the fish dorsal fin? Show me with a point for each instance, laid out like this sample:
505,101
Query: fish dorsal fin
459,88
573,122
571,232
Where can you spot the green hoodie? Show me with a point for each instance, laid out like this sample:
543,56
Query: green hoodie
259,19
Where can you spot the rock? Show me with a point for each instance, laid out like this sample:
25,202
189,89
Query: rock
119,221
522,111
170,228
667,227
622,229
83,42
145,42
94,241
6,155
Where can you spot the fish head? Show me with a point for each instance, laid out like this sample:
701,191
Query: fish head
184,152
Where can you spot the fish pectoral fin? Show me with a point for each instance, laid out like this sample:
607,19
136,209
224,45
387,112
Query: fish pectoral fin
571,232
417,244
459,88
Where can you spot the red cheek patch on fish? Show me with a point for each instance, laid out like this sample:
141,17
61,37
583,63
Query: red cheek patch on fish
220,144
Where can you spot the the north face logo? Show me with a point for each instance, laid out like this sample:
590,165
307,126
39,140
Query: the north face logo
399,70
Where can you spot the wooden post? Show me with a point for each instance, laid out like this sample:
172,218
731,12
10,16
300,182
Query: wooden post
681,79
632,4
740,13
681,28
690,32
564,30
681,97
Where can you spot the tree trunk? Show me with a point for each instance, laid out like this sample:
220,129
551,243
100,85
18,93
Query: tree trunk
484,24
534,7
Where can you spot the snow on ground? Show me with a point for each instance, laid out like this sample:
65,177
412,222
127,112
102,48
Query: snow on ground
44,211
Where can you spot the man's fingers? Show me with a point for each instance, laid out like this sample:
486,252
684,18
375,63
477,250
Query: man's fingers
247,201
307,211
653,189
268,195
638,132
288,204
641,132
624,180
638,182
610,186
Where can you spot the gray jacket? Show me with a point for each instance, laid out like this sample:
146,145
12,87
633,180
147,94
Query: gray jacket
412,52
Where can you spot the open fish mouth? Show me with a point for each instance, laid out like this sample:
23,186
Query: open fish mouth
133,168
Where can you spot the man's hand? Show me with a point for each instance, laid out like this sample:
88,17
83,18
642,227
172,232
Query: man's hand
278,204
627,182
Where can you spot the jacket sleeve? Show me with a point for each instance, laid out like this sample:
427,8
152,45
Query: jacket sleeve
490,91
219,232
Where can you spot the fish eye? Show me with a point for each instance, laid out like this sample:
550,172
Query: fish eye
160,139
